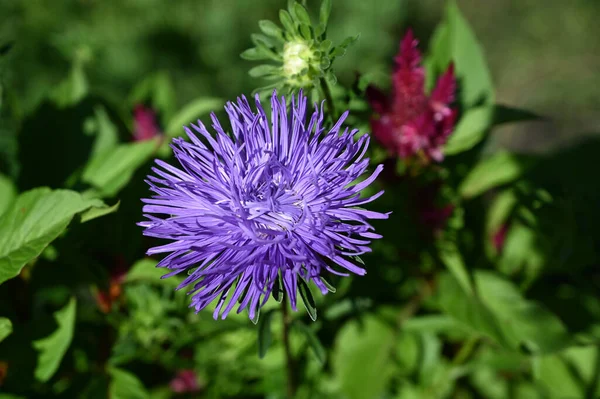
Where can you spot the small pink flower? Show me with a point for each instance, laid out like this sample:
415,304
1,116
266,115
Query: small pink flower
145,126
409,122
499,238
185,381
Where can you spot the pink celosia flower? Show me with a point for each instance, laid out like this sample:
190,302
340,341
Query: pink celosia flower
185,381
499,237
145,126
409,121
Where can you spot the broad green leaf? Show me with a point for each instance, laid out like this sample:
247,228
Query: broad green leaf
312,340
432,324
451,257
499,169
97,212
73,88
470,63
520,250
5,328
361,358
499,311
53,348
470,130
572,373
33,221
264,333
440,54
8,192
124,385
522,321
467,309
455,41
109,171
104,129
190,113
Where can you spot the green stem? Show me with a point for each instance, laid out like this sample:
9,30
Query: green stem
289,359
328,98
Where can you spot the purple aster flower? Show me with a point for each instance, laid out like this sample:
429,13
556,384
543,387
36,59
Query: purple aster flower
276,203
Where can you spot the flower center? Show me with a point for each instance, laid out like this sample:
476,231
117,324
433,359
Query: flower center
272,204
295,58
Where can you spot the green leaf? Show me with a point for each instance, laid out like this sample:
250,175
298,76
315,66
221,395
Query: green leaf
72,89
53,347
109,171
99,211
191,112
8,192
264,333
361,358
451,257
340,50
454,41
471,66
467,309
505,114
301,14
470,130
324,13
5,328
263,70
33,221
522,321
105,130
287,21
270,28
307,299
499,169
145,270
312,340
124,385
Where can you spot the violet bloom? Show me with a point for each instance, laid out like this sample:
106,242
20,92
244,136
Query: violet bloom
273,202
410,123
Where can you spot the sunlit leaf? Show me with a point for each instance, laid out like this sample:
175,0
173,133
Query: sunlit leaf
5,328
33,221
470,130
190,114
53,348
361,358
494,171
109,171
8,192
125,385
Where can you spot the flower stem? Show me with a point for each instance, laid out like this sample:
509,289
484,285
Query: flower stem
329,98
289,359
